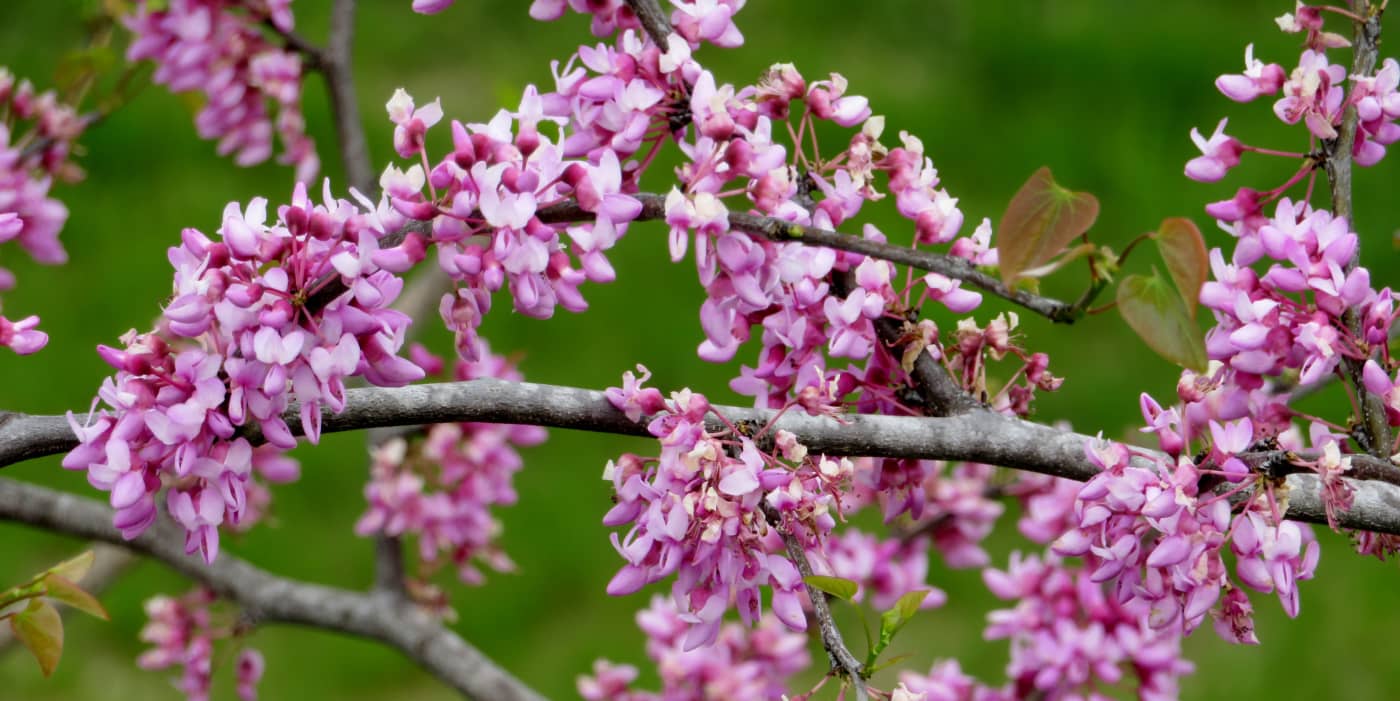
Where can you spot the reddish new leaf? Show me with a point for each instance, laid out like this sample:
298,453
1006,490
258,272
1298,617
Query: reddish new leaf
1155,311
1040,221
61,589
1184,250
40,629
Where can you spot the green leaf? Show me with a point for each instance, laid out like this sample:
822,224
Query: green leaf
1041,219
894,619
61,589
840,588
1155,311
75,568
1184,250
40,629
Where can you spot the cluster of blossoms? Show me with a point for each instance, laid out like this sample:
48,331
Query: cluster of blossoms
884,569
36,139
950,503
485,201
183,632
1314,93
247,331
1160,541
1070,636
743,663
219,48
441,488
709,510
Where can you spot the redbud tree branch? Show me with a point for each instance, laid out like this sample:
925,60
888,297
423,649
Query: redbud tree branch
340,82
334,64
653,19
780,230
1373,429
267,598
973,436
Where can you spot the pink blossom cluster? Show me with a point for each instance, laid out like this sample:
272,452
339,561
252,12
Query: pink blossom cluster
36,137
1069,638
244,335
743,663
701,513
1148,529
485,200
1289,318
950,503
442,488
810,303
219,47
884,569
183,632
1314,92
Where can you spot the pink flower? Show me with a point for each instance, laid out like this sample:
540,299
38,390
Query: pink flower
1219,154
1258,79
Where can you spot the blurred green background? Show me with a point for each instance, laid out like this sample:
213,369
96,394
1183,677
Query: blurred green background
1103,92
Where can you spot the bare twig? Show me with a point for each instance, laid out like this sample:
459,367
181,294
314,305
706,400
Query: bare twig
267,598
975,436
1373,431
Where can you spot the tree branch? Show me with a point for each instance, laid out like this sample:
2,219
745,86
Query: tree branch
774,229
266,598
345,112
975,436
653,20
1373,431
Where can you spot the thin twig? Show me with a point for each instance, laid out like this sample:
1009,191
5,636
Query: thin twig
267,598
842,661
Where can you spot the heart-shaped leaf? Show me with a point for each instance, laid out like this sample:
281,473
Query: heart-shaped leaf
1155,311
1184,250
835,586
61,589
1039,222
40,629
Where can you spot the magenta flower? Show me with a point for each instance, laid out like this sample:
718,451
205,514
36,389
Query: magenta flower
1258,79
1220,153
